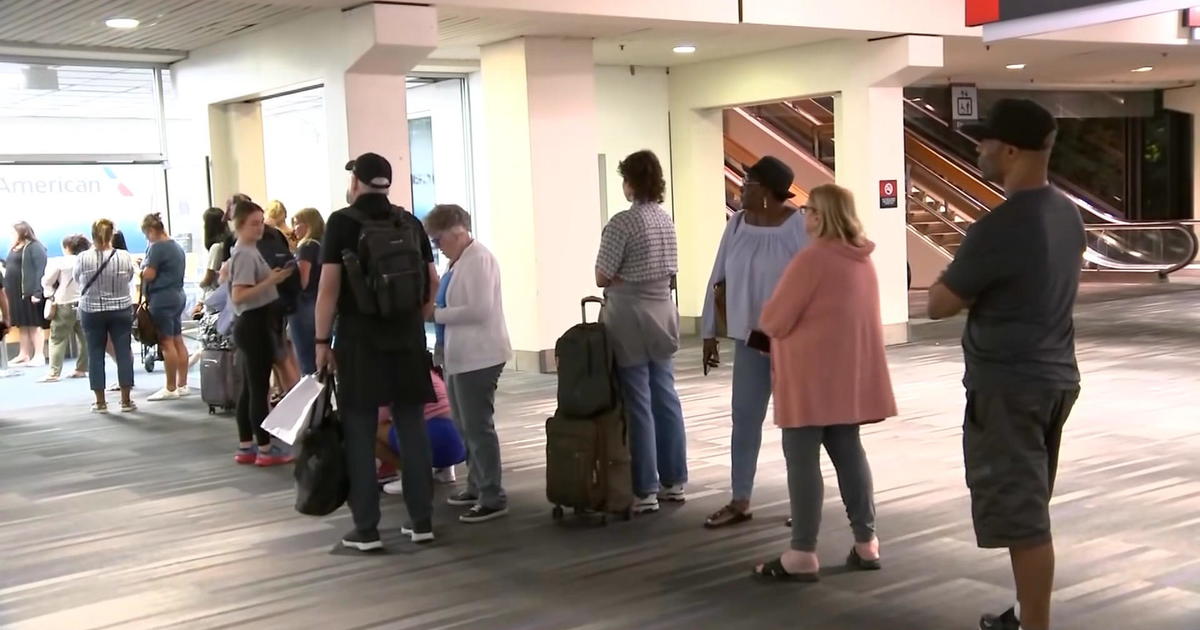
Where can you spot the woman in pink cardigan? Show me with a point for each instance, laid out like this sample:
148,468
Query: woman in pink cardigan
830,375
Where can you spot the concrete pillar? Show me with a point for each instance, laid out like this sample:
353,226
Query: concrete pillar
697,141
373,86
869,131
544,185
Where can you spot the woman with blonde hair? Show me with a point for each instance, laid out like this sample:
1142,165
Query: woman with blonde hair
104,274
830,376
276,216
308,228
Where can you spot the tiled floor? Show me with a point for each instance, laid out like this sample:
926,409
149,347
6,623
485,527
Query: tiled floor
144,522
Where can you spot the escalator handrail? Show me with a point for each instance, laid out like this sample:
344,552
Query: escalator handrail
978,205
1192,240
1100,210
933,211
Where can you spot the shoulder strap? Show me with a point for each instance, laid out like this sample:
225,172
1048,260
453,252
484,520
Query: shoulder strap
98,270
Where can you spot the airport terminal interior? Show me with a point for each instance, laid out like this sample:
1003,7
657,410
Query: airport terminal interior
522,123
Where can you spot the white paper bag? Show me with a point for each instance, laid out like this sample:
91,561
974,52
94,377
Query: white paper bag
290,417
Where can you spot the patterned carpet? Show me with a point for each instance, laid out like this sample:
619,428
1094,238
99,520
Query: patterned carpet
143,521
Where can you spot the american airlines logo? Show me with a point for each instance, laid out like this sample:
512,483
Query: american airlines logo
62,185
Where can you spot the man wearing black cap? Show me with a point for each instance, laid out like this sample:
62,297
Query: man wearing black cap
380,358
1017,272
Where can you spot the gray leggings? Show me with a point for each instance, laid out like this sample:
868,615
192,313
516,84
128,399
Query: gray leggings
806,487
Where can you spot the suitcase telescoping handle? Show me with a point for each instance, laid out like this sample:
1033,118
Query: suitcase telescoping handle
590,300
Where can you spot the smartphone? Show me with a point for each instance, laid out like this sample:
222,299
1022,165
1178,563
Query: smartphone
759,341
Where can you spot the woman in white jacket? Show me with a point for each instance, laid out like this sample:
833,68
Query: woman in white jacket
471,328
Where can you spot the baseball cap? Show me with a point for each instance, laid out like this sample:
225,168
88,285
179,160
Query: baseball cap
371,169
774,175
1021,123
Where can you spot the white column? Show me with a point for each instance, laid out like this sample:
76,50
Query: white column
697,153
869,128
544,185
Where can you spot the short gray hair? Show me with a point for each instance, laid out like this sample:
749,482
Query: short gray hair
447,216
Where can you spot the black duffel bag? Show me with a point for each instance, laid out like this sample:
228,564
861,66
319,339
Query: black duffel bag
322,483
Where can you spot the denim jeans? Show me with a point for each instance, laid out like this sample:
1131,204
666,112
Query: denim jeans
751,395
657,442
97,328
302,328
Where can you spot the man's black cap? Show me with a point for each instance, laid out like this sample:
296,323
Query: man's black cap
774,176
371,169
1021,123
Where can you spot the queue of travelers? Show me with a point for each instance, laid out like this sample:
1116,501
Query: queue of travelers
793,286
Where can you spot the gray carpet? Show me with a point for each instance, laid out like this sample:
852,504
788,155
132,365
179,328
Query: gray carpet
143,521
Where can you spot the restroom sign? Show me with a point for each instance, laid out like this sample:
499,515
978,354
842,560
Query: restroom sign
888,194
964,100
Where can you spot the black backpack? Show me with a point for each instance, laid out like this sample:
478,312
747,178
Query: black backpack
388,274
587,383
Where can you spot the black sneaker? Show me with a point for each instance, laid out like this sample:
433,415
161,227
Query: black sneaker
362,541
421,532
480,514
1006,621
462,499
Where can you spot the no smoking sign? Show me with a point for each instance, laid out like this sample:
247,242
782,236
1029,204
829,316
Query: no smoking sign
888,194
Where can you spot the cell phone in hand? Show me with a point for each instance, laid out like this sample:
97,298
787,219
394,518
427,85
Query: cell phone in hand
758,340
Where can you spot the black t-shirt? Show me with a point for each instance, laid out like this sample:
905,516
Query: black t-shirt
1021,264
342,233
310,251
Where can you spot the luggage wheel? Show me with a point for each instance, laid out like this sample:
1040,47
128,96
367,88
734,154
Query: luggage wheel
557,513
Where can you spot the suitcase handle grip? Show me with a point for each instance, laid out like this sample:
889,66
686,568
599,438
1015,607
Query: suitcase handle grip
583,304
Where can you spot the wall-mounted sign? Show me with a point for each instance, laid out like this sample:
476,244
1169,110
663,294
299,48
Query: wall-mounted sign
889,194
964,100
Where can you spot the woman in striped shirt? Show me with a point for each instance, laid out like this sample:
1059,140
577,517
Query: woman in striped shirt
104,273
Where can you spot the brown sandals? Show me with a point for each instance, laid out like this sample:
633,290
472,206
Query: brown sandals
726,516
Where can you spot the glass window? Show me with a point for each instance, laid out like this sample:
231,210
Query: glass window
295,150
65,109
59,200
420,144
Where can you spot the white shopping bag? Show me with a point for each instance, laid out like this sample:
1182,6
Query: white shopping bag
290,417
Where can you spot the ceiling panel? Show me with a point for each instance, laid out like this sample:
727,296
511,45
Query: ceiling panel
166,24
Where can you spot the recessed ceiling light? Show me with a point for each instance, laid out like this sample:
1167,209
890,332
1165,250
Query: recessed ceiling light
120,22
684,49
1015,66
1143,69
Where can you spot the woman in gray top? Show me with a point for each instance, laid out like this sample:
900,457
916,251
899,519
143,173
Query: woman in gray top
636,266
24,267
256,334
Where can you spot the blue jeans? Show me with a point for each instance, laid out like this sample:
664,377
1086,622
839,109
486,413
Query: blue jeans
751,394
97,328
302,328
657,441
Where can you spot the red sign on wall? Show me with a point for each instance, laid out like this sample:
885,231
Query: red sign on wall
889,194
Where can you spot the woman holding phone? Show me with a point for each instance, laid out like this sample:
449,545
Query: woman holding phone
758,244
255,300
830,377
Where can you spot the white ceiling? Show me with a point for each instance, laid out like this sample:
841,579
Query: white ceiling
1051,64
182,25
178,25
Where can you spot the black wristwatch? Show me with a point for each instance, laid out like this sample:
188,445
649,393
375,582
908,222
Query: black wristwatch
323,342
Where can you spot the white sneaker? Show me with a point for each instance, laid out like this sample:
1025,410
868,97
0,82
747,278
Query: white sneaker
673,494
444,475
163,394
645,505
395,488
183,391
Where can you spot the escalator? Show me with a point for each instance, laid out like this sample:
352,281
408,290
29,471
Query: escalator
946,191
